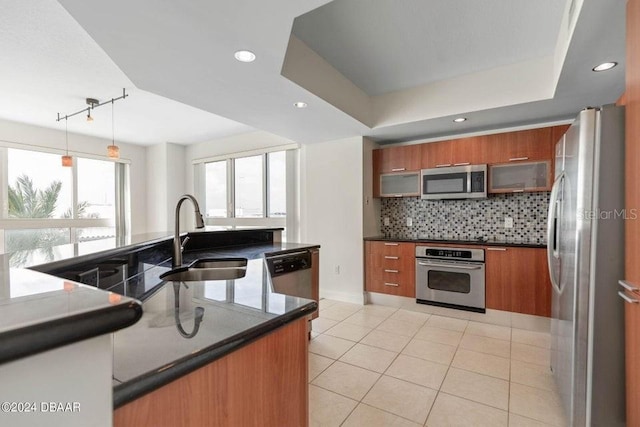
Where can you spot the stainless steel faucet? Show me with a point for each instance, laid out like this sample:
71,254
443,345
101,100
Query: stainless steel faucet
177,245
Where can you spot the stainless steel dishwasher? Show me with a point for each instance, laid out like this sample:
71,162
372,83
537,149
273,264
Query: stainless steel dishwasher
295,274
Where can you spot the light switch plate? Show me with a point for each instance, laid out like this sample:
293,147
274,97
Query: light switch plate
508,222
386,221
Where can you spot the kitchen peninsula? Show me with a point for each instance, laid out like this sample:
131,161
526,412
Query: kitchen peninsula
234,342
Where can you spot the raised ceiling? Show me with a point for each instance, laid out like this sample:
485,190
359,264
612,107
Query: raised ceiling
384,45
498,62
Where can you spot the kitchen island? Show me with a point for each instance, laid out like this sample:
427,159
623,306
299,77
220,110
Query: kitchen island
212,352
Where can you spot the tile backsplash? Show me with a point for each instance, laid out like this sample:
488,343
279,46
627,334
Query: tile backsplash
469,219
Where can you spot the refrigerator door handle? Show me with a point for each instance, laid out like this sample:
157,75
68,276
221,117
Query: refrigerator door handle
553,237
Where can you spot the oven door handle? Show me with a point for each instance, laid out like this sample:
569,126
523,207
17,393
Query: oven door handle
462,267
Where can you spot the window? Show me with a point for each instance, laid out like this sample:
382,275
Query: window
49,205
249,190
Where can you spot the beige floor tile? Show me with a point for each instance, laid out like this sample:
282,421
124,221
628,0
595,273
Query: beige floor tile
491,331
537,339
533,375
347,380
386,340
337,312
452,411
348,331
321,324
486,345
441,336
314,334
364,318
530,354
410,316
450,312
348,306
493,317
326,303
328,346
317,364
479,388
432,351
447,323
418,371
372,358
368,416
535,403
531,323
327,408
398,327
481,363
516,420
379,310
402,398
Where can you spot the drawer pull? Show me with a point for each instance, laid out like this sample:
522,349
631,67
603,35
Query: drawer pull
461,164
391,271
391,284
517,159
391,244
497,249
398,169
391,257
444,165
624,297
518,191
628,286
397,195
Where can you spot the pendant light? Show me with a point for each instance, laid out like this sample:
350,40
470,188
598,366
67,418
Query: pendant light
67,160
113,151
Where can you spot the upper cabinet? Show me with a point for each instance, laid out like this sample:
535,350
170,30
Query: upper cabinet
402,158
521,146
457,152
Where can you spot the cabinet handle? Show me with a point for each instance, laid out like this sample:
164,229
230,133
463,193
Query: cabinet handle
398,169
391,284
628,286
624,297
391,244
391,257
518,191
444,165
461,164
397,195
497,249
391,271
517,159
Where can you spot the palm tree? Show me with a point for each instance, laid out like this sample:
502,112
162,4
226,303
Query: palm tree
25,201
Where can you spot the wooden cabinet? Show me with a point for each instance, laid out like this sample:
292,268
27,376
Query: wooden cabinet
397,159
390,268
525,145
457,152
517,279
520,177
264,383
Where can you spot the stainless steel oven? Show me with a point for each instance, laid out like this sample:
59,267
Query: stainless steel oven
450,277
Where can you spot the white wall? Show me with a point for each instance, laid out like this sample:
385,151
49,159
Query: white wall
26,136
332,214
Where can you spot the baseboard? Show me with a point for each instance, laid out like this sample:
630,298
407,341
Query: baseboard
343,296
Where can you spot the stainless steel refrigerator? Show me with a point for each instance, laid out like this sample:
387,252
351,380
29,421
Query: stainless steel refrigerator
586,259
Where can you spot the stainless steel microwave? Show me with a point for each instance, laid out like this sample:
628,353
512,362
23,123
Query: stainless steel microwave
457,182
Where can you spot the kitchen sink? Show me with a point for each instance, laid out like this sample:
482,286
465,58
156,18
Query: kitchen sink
208,269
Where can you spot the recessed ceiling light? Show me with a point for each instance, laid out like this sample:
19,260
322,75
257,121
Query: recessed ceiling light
300,104
245,56
604,66
460,119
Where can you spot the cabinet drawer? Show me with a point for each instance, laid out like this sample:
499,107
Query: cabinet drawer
392,286
399,249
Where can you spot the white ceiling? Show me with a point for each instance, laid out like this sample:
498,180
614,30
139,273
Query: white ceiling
51,65
385,45
501,63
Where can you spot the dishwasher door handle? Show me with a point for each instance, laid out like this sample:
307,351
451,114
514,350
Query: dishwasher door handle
286,254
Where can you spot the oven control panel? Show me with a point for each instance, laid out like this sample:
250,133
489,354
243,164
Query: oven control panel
463,254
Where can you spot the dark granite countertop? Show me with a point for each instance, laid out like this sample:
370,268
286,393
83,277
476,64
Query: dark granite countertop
458,242
39,312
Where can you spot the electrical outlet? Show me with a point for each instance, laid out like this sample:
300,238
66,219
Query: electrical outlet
337,269
508,222
409,222
385,221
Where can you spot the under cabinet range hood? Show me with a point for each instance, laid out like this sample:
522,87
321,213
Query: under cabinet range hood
457,182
